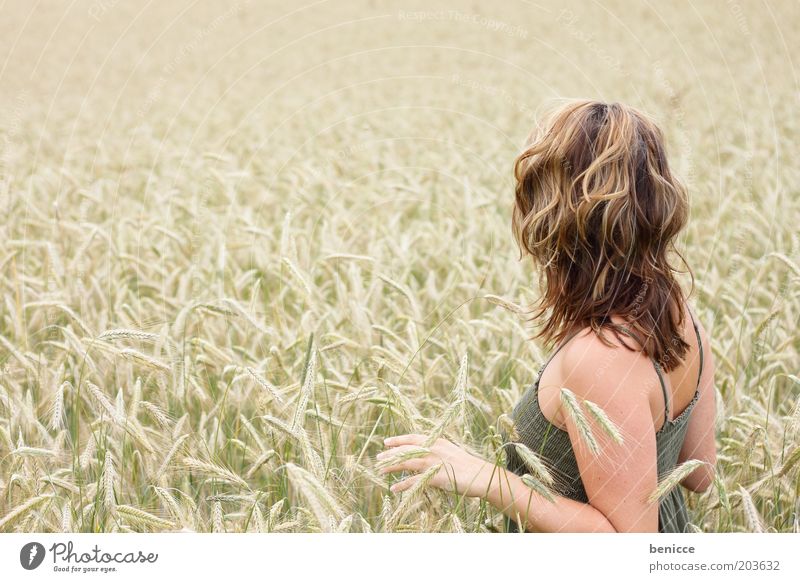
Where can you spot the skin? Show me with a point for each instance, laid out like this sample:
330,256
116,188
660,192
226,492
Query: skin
618,480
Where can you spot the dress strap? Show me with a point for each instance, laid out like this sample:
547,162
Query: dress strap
655,363
555,351
657,367
699,345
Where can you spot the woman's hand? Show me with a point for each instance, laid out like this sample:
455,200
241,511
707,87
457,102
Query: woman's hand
460,472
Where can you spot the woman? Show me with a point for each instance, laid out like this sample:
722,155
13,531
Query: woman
597,209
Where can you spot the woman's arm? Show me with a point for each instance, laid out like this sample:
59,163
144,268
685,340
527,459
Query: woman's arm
464,473
618,478
533,512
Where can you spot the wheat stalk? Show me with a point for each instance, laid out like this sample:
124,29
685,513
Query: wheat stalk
755,522
305,390
674,478
176,446
534,464
538,487
508,427
410,494
21,510
115,334
140,517
269,388
570,403
395,458
217,518
109,475
66,518
322,502
57,412
604,421
214,471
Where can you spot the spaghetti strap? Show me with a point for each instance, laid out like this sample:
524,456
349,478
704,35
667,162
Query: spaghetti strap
628,332
556,350
658,371
699,345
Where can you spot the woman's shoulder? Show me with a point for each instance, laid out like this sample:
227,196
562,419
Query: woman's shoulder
595,367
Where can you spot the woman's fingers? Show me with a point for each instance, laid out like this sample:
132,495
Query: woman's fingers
398,447
410,465
413,464
404,439
398,450
403,458
404,484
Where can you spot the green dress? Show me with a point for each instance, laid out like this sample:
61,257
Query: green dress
554,446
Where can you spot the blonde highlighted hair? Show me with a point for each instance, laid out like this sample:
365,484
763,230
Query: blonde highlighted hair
598,209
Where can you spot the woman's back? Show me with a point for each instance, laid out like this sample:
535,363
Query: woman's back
540,423
680,384
598,210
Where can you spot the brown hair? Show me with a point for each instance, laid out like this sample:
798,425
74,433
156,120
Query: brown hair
598,209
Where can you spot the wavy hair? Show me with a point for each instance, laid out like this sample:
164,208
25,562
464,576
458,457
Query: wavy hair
598,209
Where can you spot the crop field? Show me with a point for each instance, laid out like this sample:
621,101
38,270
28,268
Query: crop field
244,242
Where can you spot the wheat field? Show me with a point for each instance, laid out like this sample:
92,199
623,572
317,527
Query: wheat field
242,244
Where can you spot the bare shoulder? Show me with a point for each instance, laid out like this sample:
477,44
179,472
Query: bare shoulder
598,370
613,374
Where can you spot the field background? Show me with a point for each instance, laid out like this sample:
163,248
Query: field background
241,244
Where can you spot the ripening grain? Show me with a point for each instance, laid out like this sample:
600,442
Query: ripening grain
236,255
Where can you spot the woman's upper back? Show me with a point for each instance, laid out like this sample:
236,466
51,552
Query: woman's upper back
650,419
669,394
